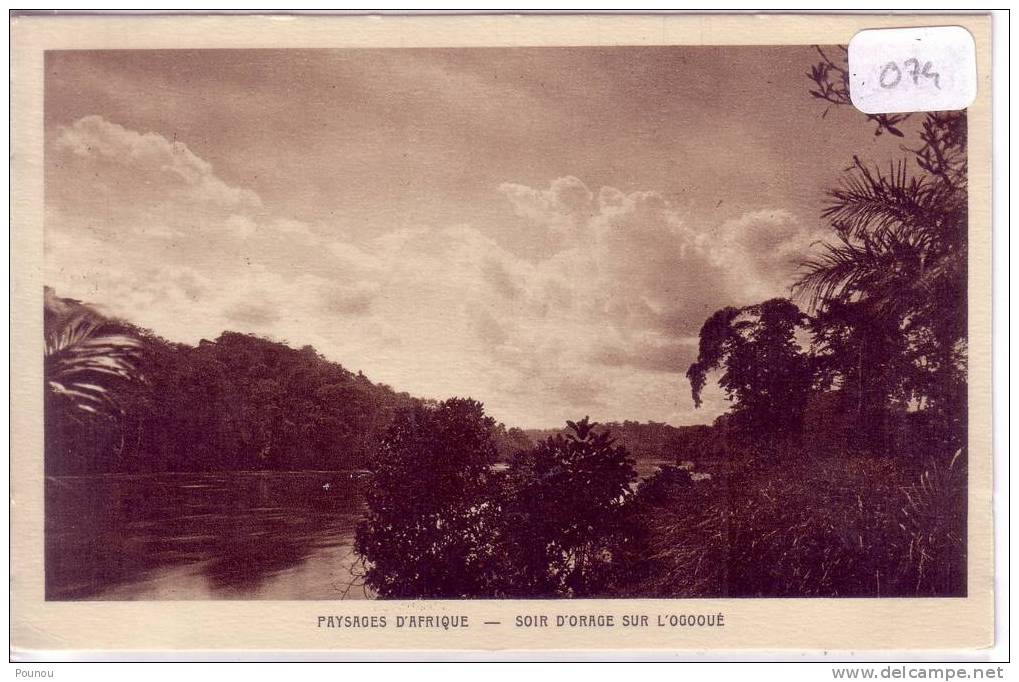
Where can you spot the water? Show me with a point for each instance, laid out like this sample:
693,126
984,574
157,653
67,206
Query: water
231,535
272,535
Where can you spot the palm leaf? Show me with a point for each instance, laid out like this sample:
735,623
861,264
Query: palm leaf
80,361
873,203
892,269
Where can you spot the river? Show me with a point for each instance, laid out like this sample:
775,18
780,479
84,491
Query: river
235,535
230,535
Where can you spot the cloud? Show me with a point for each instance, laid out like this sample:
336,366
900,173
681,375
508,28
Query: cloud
636,278
497,275
765,248
632,263
488,328
252,314
563,207
240,226
354,300
603,322
169,163
664,356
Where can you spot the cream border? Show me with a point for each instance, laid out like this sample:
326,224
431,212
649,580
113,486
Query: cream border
856,624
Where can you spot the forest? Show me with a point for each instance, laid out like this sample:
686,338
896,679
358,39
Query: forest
241,402
839,469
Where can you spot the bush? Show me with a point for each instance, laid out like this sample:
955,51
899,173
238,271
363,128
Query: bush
431,505
565,531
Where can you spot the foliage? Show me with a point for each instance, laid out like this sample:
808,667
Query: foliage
564,513
443,523
83,361
882,389
239,402
831,80
510,441
933,517
431,505
654,442
763,370
889,290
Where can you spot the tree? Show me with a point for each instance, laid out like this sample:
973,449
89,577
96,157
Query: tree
764,372
509,441
431,513
893,279
864,359
565,514
89,364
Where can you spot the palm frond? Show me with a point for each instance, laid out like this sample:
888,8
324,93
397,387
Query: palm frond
838,271
885,268
871,202
79,360
91,398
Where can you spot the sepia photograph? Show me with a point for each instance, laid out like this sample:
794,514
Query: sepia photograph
499,323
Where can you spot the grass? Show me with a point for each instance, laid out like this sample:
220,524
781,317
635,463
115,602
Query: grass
851,526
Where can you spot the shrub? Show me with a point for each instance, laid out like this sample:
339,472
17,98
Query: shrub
565,514
431,515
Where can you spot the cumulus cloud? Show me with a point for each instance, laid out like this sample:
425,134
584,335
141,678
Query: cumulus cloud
563,207
765,248
633,282
630,288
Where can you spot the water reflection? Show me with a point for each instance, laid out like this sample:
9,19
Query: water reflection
202,536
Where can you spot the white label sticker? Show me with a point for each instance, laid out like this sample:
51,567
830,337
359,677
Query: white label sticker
895,70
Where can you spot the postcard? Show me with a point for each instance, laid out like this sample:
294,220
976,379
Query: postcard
348,334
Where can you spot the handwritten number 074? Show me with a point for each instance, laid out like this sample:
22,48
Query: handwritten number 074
891,74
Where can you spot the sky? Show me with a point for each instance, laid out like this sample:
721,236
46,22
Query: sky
542,229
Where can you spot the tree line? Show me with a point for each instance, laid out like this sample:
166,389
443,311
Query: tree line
135,402
239,402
